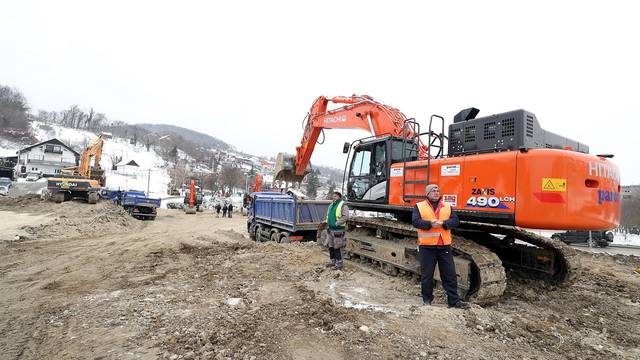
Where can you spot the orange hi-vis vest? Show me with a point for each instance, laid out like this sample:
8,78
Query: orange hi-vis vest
434,236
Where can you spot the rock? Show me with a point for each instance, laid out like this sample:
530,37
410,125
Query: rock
423,353
189,356
233,301
364,328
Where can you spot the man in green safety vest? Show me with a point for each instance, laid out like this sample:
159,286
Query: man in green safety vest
337,216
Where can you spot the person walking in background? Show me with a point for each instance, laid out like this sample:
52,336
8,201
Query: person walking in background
224,210
435,220
218,208
230,209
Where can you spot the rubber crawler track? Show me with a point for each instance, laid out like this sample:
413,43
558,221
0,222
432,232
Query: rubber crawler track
489,278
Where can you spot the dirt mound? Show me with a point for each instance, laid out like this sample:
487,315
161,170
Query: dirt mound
21,203
76,219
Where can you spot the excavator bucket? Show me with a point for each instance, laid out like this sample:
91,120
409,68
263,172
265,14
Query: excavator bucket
285,169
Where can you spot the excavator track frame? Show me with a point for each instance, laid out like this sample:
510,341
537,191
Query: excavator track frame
477,253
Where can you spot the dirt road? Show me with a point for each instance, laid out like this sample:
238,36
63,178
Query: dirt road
86,281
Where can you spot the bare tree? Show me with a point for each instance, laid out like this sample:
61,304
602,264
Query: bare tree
13,108
231,177
149,140
115,159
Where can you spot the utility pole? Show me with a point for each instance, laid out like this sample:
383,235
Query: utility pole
148,181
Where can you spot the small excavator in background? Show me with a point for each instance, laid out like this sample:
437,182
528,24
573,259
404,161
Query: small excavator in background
257,184
501,173
191,205
83,181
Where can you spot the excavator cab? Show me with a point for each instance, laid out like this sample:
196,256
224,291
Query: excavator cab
370,164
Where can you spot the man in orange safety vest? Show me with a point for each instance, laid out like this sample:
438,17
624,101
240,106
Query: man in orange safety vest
434,220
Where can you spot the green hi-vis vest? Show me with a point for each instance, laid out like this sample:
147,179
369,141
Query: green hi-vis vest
334,212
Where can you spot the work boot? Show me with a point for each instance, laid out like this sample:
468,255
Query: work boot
426,302
331,264
461,305
338,265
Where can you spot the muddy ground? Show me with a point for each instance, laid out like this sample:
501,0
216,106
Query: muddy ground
86,281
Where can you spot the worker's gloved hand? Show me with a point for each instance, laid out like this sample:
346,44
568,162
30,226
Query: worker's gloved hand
323,225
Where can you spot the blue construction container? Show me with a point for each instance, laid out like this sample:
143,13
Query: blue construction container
284,217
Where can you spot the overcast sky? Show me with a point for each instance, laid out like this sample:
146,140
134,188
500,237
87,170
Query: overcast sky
247,72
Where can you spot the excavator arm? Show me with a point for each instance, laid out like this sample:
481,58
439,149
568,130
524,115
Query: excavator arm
92,151
358,112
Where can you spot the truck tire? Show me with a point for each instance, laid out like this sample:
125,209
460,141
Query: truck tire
284,238
251,231
58,197
275,236
259,236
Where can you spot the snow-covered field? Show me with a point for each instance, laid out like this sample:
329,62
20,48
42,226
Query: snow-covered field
626,239
8,148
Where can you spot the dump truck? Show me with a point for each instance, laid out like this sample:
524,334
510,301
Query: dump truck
139,205
284,217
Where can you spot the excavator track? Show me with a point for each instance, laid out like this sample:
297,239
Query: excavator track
550,259
480,254
391,245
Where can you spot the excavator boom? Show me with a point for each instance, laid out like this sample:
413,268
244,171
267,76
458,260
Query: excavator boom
358,112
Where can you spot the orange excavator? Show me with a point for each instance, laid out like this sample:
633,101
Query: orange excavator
191,202
500,173
257,184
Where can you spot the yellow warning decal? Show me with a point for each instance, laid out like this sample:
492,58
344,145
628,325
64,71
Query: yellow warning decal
552,184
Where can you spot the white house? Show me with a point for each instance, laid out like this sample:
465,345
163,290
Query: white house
48,158
128,168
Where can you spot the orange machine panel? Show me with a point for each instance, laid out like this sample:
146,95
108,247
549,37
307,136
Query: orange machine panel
476,182
567,190
539,188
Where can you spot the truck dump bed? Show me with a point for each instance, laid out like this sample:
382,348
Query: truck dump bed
288,212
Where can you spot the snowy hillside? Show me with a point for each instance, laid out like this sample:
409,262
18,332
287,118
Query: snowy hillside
152,170
8,148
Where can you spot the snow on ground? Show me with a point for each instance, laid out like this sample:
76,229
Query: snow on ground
152,173
626,239
8,148
77,139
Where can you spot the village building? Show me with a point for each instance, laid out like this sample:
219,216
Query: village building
47,158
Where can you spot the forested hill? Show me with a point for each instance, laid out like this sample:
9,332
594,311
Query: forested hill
199,138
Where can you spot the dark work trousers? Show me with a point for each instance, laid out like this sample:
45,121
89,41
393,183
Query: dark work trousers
335,252
429,255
